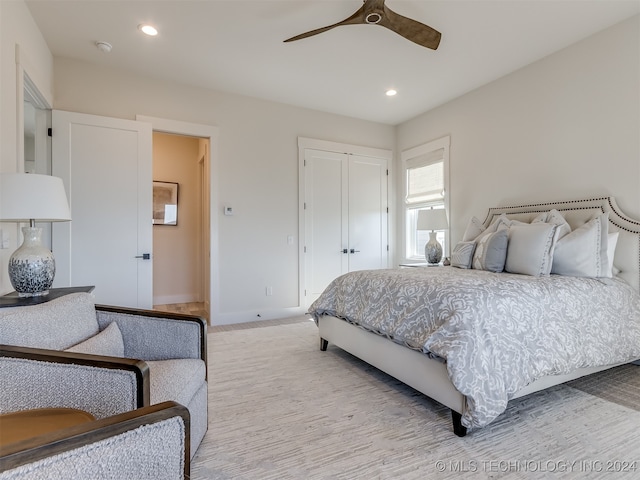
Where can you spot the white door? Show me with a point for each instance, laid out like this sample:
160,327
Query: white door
367,213
106,164
345,217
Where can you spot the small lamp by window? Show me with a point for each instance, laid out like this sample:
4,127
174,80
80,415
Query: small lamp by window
30,198
432,219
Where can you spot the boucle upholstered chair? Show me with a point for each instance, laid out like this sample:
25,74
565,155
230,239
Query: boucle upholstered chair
104,360
147,443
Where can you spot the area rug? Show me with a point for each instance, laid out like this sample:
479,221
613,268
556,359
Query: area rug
279,408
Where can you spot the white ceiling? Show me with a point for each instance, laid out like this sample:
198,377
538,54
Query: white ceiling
237,46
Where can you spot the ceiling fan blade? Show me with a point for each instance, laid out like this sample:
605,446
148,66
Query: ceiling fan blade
354,19
411,29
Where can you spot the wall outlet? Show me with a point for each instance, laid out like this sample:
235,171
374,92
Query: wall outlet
269,291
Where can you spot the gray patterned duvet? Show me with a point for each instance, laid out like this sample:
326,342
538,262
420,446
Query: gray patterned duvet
497,332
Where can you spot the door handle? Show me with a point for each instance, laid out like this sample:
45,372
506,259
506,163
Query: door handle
144,256
354,251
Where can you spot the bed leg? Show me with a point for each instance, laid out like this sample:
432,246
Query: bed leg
459,429
323,344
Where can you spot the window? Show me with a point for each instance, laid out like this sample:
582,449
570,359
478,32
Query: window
426,176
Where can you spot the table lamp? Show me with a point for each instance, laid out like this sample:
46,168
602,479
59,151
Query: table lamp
26,197
432,219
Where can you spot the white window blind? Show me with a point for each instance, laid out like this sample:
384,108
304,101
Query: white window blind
425,178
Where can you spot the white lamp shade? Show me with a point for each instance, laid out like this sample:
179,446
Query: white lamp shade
27,196
432,219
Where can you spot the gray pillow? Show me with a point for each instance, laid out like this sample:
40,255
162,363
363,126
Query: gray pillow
491,251
108,342
531,248
583,252
462,254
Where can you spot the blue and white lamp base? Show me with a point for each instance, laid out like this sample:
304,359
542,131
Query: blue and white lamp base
32,266
433,249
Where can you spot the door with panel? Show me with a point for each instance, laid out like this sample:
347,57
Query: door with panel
106,165
346,217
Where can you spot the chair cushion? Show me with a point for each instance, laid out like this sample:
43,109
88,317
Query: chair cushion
175,380
55,325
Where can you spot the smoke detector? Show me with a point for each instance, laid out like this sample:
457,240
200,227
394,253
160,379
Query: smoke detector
104,47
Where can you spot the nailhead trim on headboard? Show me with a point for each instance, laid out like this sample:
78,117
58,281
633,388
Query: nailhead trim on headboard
605,204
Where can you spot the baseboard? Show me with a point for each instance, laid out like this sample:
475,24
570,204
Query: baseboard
254,315
181,298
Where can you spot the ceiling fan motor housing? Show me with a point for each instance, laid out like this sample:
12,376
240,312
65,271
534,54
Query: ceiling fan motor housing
373,18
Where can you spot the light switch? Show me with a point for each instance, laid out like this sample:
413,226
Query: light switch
4,239
228,210
289,239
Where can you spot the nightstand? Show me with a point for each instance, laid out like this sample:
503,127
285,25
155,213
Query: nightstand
417,265
13,300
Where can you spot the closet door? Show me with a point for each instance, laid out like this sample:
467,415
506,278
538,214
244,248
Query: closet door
326,219
345,217
367,213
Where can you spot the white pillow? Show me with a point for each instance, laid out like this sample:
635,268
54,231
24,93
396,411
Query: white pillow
531,248
473,231
462,254
108,342
583,252
612,241
554,217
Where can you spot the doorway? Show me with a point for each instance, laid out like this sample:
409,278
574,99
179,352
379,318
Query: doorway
180,247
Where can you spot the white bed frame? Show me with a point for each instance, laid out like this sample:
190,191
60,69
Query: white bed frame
429,376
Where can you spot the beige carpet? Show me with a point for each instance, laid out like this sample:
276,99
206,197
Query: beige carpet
280,408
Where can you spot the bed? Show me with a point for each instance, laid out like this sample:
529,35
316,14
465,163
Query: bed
473,339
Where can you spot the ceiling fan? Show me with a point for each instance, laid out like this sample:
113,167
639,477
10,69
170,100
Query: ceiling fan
375,12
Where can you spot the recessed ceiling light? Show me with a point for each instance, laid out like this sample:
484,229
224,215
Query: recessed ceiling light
148,29
391,92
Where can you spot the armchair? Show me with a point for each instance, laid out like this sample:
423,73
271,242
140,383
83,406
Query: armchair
147,443
104,360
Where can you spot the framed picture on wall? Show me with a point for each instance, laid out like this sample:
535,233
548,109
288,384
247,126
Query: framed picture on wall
165,203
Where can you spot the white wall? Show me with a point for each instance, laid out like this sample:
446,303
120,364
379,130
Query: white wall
565,127
17,28
257,168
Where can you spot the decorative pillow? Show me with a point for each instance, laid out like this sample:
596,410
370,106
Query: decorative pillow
583,252
554,217
108,342
473,231
491,251
462,254
531,248
612,241
501,222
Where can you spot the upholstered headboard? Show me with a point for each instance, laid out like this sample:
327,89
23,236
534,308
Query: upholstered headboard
578,212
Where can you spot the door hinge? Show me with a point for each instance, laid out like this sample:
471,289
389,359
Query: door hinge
304,162
305,249
387,209
387,248
304,206
387,172
50,132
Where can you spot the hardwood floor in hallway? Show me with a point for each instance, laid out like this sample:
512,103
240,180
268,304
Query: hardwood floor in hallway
194,308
